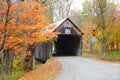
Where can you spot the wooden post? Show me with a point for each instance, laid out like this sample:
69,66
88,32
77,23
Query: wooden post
93,40
92,47
79,53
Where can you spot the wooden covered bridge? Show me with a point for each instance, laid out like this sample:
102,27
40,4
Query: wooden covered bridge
69,41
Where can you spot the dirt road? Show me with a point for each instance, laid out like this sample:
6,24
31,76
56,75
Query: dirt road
77,68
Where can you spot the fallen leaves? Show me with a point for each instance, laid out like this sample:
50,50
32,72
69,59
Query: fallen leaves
47,71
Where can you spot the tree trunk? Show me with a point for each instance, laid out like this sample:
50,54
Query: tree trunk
8,62
117,44
11,63
112,45
103,46
69,6
107,47
2,69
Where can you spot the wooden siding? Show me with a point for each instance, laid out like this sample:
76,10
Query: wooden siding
43,51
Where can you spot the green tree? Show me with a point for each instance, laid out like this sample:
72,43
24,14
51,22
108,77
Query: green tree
102,15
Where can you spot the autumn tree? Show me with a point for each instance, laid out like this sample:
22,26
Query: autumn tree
21,27
75,16
4,14
103,17
88,23
114,33
56,12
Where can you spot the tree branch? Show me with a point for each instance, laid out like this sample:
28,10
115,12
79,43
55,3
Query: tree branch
5,25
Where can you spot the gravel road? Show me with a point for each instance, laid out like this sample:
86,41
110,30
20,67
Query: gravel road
78,68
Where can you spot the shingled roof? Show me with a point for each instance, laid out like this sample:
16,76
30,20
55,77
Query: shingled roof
60,22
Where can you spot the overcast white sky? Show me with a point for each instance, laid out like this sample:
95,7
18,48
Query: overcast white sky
77,4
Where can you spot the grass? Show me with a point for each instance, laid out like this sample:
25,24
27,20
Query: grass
47,71
14,76
113,56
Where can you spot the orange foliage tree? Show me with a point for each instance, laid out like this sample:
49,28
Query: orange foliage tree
27,24
22,24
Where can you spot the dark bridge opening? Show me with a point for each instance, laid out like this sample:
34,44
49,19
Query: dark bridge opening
67,45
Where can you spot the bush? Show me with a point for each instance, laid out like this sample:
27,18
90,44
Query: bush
15,65
109,56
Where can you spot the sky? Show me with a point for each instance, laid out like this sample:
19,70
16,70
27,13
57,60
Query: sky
77,4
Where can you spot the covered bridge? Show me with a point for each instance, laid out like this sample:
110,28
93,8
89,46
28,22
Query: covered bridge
69,41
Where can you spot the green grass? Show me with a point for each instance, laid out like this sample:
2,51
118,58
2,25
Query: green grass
113,56
15,75
18,73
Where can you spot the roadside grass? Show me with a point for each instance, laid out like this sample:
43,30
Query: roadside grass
47,71
113,56
14,76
